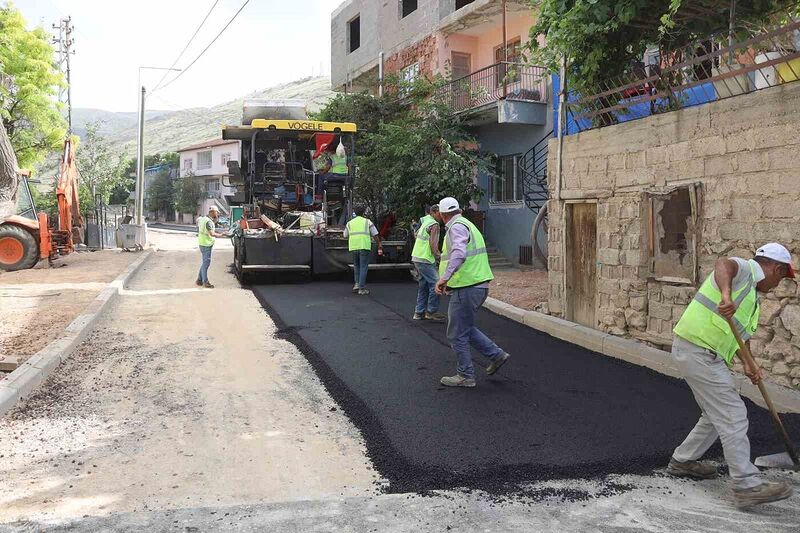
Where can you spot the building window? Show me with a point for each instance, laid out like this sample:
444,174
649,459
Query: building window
462,3
212,189
187,164
410,73
203,160
354,34
407,7
224,158
461,65
673,235
506,185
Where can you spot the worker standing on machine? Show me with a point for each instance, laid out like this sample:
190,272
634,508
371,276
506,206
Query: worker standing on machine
359,233
206,232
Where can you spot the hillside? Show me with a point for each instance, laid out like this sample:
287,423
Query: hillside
168,131
111,122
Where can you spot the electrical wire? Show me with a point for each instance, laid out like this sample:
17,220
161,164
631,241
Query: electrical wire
186,47
182,72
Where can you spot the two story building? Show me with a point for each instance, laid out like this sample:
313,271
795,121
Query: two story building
476,45
208,163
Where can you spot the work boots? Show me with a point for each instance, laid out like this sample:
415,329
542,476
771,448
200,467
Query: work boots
768,491
436,317
457,381
692,469
497,363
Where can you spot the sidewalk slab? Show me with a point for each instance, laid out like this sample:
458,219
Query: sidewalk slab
785,400
21,382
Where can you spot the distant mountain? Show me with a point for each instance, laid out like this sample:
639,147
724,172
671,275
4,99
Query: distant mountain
110,122
167,131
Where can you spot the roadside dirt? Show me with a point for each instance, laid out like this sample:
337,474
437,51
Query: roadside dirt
181,397
37,304
523,289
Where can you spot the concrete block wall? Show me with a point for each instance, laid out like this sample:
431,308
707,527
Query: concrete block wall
741,153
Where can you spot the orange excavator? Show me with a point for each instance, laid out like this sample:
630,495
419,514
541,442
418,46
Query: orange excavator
26,236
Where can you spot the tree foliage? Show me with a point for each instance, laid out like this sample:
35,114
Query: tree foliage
29,82
188,193
412,150
100,168
161,193
600,38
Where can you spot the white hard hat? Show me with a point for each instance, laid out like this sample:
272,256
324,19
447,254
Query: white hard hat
214,208
777,252
448,205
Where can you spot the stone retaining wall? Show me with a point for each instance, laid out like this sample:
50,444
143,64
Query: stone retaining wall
740,155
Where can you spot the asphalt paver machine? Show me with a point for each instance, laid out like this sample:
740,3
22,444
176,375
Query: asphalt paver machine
287,215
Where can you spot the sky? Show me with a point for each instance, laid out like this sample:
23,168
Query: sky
270,42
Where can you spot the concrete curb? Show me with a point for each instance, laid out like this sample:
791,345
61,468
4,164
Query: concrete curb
784,399
21,382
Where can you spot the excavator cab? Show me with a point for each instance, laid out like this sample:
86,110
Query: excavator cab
25,237
20,233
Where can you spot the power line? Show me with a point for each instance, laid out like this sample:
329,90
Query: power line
181,73
186,47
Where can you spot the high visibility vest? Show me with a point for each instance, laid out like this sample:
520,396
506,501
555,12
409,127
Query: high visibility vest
358,234
701,323
422,252
475,269
339,164
204,238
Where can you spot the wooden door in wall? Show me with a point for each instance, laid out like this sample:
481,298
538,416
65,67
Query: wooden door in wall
581,263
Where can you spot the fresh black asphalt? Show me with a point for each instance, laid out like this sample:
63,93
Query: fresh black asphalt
555,410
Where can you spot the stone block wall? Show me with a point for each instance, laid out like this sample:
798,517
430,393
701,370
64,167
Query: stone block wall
739,153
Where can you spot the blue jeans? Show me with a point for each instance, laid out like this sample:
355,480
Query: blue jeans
360,267
427,299
461,330
205,253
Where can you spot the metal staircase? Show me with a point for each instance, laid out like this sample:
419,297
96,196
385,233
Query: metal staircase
533,167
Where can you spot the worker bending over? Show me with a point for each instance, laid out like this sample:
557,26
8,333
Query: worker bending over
359,233
704,347
425,256
465,273
206,232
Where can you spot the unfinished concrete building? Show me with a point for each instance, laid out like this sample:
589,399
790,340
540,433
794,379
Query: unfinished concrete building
506,103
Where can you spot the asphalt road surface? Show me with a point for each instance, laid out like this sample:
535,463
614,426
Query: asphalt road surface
555,410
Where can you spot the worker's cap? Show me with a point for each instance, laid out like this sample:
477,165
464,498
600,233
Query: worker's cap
777,252
448,205
214,208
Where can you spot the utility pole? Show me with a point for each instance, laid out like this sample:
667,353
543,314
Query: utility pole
140,145
65,42
140,162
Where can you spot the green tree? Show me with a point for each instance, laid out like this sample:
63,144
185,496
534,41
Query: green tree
412,149
188,193
127,174
161,193
29,81
599,38
100,168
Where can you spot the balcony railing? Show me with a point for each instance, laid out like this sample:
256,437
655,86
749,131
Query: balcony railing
511,81
714,67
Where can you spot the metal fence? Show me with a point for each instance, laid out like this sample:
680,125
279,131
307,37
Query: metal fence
512,81
723,65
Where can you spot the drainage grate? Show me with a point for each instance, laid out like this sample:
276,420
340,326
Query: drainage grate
526,255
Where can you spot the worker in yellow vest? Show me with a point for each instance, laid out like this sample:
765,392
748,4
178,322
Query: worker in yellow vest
359,233
465,274
424,256
206,232
704,348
